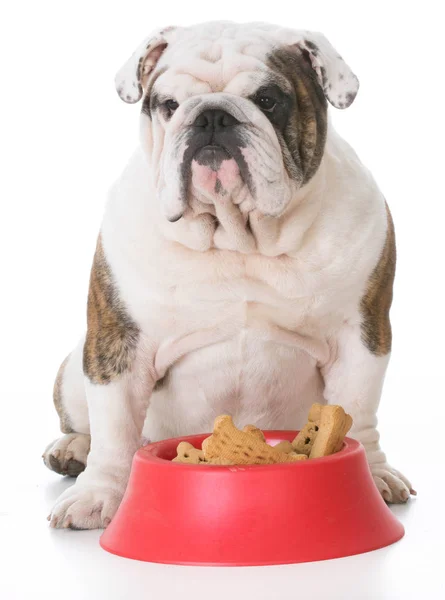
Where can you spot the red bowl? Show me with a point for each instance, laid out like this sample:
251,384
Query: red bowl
249,515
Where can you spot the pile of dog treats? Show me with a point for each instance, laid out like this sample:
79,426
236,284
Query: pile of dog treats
322,435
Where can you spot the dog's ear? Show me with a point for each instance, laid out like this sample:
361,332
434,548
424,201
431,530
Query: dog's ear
131,77
340,85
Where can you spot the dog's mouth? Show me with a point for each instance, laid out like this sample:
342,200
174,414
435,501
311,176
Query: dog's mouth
214,173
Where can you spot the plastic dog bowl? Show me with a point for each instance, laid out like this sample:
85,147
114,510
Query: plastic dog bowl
249,515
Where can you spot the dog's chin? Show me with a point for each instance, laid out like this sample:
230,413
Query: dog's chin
215,175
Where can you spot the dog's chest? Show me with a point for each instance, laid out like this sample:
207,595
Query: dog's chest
227,297
242,340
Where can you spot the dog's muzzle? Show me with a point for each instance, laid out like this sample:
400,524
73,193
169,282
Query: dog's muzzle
213,161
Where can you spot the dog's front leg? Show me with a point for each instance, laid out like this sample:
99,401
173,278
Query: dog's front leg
119,376
354,379
117,414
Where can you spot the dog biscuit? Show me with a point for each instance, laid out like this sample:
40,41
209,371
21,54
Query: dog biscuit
186,453
334,425
324,432
305,439
242,447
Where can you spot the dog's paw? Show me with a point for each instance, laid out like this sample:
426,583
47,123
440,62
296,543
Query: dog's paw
68,454
393,486
85,506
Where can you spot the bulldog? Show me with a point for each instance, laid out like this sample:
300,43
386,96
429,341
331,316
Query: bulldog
244,265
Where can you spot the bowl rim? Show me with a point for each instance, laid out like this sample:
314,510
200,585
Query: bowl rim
150,453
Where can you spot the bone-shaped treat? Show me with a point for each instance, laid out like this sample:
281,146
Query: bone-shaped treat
187,453
242,447
324,432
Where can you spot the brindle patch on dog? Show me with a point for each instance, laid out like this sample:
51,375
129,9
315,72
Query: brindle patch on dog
65,425
112,335
376,303
303,136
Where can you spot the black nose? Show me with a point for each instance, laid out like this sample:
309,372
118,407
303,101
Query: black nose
214,119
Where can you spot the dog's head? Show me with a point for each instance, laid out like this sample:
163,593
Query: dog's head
234,111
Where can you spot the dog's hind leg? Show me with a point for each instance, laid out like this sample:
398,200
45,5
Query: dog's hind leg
68,455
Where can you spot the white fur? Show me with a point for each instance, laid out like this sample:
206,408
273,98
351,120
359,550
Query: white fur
259,323
73,390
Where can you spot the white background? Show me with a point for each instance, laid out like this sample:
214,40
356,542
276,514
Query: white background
65,136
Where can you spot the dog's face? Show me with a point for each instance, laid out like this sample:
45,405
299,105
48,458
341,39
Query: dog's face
234,113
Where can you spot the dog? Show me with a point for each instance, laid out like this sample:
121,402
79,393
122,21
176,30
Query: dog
244,265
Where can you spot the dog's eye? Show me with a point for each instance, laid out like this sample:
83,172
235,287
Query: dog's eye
171,105
266,102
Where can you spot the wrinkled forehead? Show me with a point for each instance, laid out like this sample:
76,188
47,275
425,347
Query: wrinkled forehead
232,64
